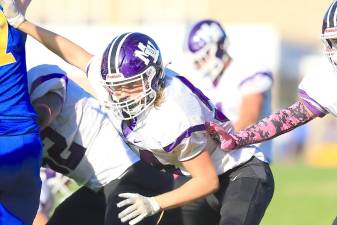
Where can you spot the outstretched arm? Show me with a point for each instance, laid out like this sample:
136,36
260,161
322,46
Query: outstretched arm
250,110
61,46
270,127
276,124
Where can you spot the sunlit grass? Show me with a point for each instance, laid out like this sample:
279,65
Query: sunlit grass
303,196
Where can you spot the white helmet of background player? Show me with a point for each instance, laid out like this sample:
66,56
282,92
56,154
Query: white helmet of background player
329,33
207,45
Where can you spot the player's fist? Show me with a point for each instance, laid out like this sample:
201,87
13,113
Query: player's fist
13,15
227,141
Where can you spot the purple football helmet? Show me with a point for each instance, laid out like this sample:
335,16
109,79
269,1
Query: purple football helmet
207,44
329,34
132,72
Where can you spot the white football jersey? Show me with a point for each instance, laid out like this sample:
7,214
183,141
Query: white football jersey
318,92
81,142
237,81
174,132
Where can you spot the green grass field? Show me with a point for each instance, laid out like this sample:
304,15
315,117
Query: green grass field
303,196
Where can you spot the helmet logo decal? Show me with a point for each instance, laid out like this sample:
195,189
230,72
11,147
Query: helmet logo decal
145,51
208,33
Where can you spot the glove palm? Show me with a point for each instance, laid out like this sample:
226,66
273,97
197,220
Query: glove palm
140,207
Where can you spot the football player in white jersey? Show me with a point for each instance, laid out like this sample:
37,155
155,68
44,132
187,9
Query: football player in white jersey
241,92
317,97
162,116
81,143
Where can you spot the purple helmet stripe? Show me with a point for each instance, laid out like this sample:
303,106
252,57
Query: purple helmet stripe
329,17
44,78
112,53
187,133
119,46
332,15
105,61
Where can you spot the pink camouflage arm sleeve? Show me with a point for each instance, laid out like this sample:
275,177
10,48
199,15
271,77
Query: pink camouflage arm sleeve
274,125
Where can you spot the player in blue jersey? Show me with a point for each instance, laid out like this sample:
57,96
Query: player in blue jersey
20,143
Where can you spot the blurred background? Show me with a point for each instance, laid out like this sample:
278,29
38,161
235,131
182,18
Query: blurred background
283,34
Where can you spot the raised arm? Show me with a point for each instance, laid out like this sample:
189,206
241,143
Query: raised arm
276,124
250,110
61,46
270,127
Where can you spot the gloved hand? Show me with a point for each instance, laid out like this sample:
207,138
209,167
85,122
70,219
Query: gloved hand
227,140
140,207
13,15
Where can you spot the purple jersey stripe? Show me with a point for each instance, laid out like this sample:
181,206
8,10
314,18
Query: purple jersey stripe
263,73
318,110
196,91
187,133
204,99
128,126
44,78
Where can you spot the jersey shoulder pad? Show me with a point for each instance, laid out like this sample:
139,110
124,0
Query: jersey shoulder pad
46,78
254,78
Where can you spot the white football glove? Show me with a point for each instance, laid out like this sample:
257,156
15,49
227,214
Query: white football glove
140,207
13,15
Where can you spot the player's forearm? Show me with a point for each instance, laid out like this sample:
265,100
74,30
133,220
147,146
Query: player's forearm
194,189
48,108
274,125
250,110
61,46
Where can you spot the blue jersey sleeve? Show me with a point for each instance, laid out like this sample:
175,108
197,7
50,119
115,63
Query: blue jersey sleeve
14,99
